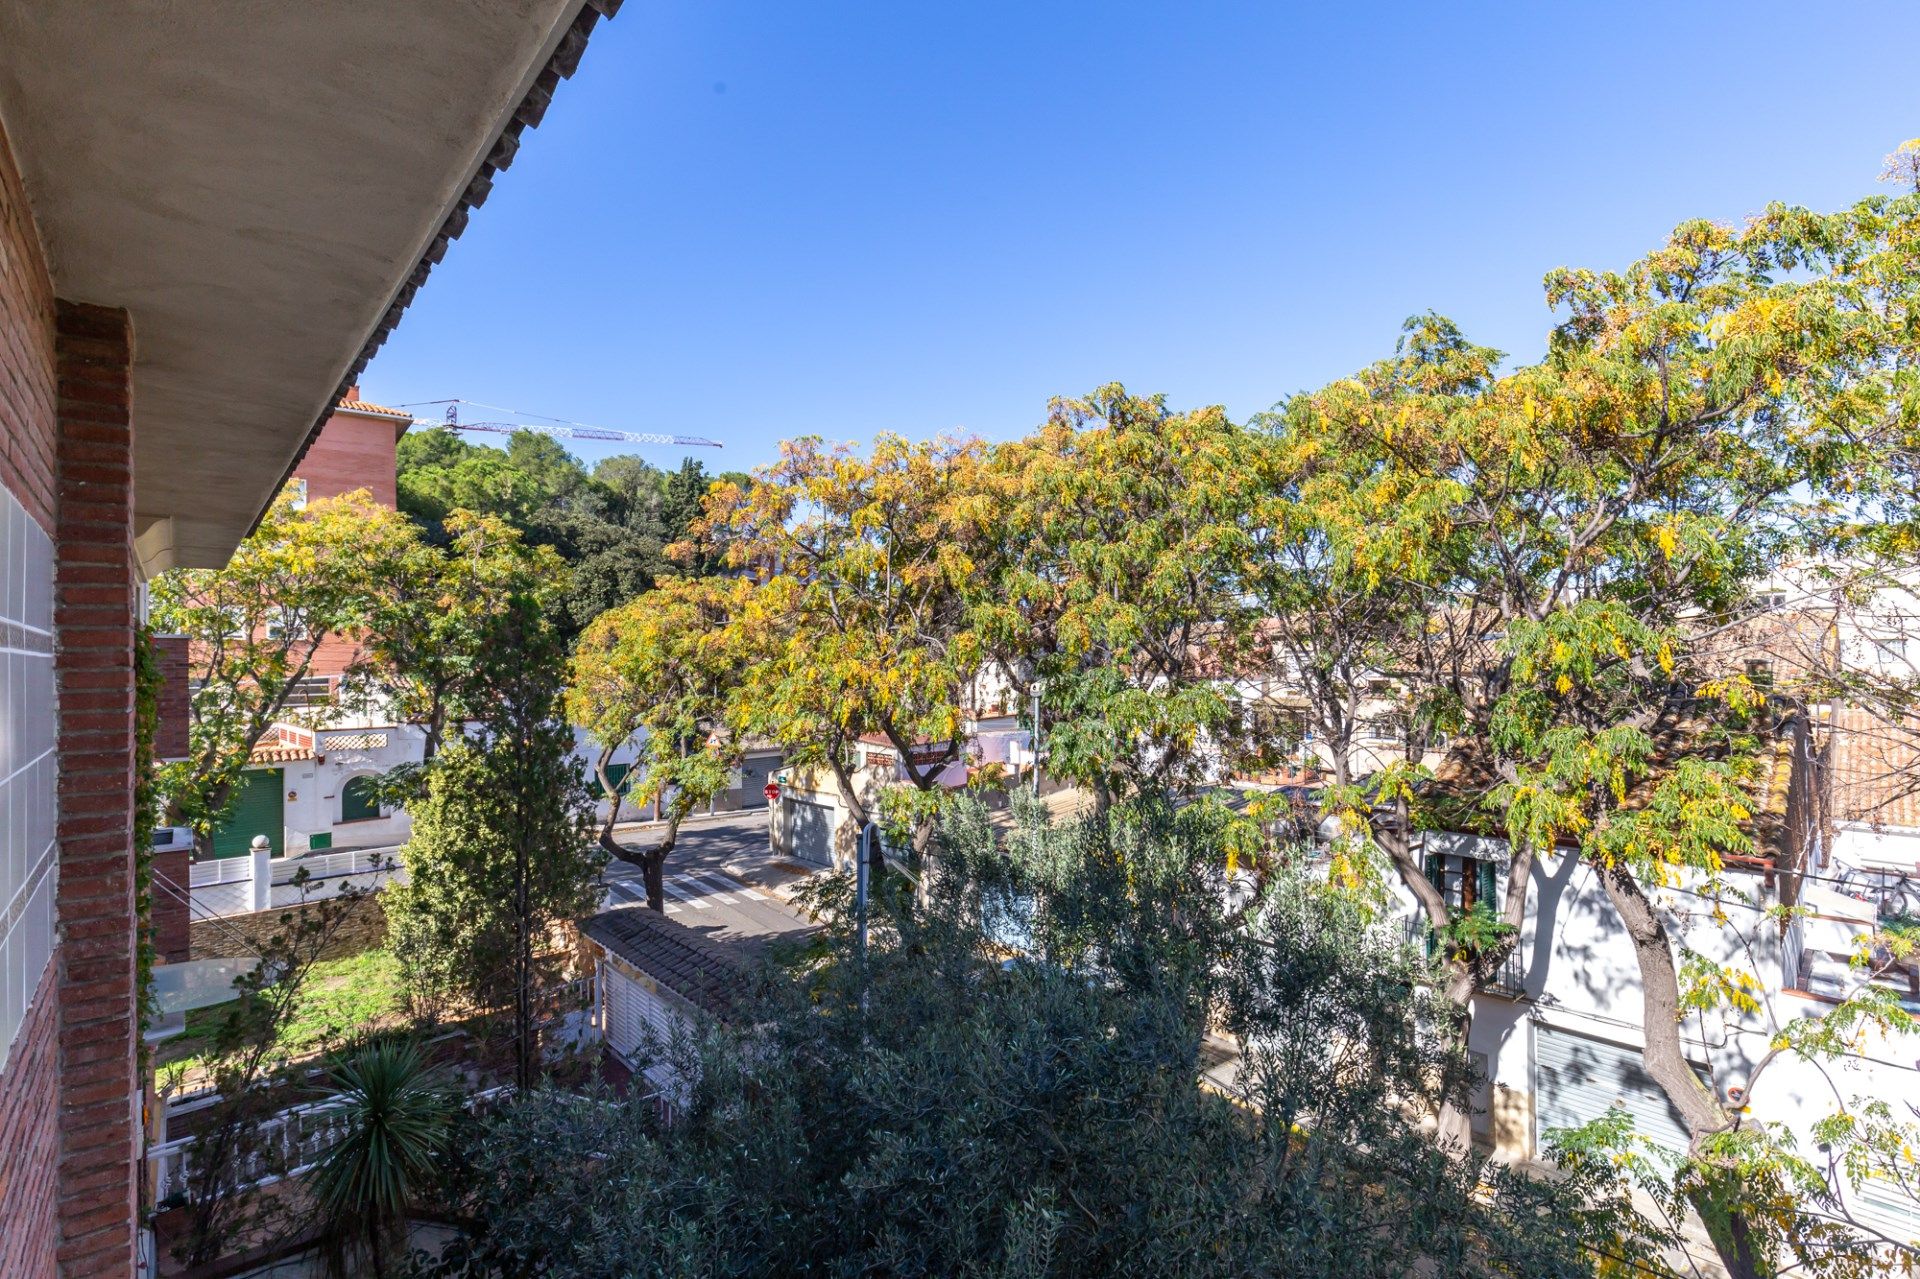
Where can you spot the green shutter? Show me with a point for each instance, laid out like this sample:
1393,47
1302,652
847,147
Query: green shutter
1437,876
1489,887
257,810
618,774
358,802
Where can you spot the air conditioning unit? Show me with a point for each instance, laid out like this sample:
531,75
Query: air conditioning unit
171,837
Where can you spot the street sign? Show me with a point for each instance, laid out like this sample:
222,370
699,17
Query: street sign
772,791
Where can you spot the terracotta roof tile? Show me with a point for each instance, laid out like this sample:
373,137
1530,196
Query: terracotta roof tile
701,971
366,406
1876,768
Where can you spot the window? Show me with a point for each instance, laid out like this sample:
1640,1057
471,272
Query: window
286,624
298,488
358,801
1760,672
1893,649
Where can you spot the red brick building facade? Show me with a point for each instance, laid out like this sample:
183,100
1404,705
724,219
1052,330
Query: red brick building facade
182,304
70,1093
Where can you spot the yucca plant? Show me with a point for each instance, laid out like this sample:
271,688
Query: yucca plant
396,1117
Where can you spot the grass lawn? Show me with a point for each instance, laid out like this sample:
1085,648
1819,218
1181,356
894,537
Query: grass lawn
342,998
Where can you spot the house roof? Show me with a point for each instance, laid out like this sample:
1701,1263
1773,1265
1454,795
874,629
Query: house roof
263,189
704,972
1875,764
1467,775
278,753
374,410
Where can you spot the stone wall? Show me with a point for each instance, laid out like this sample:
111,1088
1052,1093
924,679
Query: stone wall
241,936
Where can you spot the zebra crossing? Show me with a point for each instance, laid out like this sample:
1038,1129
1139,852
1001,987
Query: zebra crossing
690,891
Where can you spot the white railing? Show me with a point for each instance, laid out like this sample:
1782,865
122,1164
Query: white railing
291,1143
329,865
220,870
259,881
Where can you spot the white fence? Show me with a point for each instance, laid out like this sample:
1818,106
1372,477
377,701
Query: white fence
289,1144
258,881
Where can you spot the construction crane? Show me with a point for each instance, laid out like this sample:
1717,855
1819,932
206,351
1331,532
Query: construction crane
559,428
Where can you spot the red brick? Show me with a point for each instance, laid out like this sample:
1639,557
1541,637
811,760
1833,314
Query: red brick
93,618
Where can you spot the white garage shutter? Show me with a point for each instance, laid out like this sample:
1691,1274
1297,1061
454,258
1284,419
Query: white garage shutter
639,1023
811,827
623,1013
1576,1079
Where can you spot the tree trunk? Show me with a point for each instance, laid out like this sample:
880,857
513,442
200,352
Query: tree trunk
850,797
653,865
1666,1059
1454,1123
608,789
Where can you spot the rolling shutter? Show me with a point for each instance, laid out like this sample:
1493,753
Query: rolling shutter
1576,1079
257,810
810,827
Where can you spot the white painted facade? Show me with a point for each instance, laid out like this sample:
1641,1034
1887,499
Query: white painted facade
1575,973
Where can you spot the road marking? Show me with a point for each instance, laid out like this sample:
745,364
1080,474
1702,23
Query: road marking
725,887
686,897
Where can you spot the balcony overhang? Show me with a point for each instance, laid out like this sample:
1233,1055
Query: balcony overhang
262,187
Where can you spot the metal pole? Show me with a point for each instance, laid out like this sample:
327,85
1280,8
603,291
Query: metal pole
860,886
1036,742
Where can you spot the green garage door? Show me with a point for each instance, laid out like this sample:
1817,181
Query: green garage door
259,810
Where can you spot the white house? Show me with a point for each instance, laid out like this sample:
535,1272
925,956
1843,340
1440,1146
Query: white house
1559,1036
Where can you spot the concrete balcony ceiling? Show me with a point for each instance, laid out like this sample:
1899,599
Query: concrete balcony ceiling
263,186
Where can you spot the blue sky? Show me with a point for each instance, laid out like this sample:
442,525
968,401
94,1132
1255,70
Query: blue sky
754,221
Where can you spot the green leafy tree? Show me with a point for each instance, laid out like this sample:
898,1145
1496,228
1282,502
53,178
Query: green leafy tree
662,671
500,853
432,610
1592,520
253,629
860,618
936,1110
1123,531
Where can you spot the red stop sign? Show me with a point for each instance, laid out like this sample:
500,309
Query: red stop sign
772,791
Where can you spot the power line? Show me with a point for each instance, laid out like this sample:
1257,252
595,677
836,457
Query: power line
556,427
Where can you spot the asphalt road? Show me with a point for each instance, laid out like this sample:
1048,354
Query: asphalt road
736,843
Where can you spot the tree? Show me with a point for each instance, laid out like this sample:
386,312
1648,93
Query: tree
433,608
1124,533
396,1121
860,621
661,670
254,626
500,852
937,1110
1596,519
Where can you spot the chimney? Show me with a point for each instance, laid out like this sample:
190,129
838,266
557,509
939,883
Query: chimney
353,392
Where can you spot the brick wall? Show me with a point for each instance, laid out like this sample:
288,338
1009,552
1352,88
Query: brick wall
29,1079
94,608
352,452
168,914
26,352
29,1142
170,727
